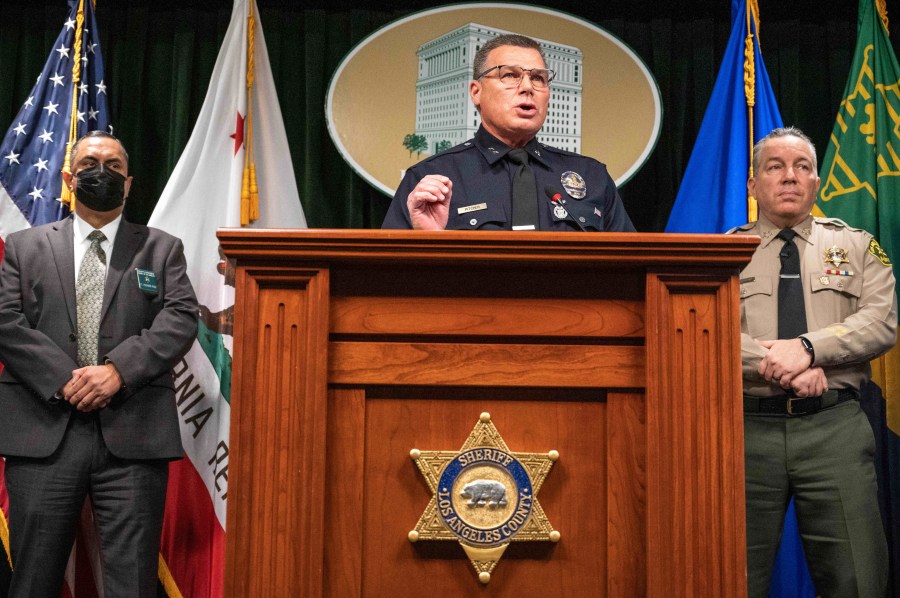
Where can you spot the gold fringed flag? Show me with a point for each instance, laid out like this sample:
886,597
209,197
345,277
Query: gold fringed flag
713,193
217,177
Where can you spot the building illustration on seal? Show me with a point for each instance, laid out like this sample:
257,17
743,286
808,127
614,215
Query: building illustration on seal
445,116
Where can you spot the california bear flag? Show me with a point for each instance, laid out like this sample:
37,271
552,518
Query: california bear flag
238,134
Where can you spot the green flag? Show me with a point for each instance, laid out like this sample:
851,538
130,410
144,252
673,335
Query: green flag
861,185
861,168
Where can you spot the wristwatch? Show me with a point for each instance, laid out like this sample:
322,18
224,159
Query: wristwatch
809,349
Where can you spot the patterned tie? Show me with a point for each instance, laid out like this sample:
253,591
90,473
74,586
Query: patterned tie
791,309
524,192
89,298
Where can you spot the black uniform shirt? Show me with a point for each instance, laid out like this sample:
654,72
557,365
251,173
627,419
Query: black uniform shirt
482,188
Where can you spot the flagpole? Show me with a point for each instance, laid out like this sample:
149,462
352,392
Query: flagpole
249,189
66,196
750,94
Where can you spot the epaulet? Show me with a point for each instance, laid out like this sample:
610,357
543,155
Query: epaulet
742,228
453,150
835,222
556,150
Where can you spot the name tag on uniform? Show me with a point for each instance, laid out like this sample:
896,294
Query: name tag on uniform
147,281
472,208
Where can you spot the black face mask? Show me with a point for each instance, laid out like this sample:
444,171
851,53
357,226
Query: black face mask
100,188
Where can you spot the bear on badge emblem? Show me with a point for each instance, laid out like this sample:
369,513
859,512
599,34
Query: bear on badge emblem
484,497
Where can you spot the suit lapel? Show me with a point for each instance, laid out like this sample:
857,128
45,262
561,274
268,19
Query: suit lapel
62,242
128,239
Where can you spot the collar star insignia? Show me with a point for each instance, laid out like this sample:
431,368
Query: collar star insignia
484,497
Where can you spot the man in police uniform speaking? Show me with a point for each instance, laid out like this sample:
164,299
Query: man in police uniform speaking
504,178
832,288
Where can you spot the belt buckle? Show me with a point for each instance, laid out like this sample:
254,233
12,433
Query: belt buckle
790,409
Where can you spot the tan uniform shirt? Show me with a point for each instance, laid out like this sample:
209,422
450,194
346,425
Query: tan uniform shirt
852,318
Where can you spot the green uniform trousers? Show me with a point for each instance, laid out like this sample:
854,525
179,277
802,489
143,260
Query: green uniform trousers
825,461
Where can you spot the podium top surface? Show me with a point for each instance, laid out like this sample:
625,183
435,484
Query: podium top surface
249,245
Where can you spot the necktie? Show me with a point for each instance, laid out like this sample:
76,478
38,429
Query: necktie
89,299
791,310
524,192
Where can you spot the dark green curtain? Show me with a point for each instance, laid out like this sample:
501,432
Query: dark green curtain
159,58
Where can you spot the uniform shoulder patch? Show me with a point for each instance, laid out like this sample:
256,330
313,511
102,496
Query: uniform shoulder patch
876,250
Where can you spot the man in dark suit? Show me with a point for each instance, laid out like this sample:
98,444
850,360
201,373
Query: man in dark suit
87,401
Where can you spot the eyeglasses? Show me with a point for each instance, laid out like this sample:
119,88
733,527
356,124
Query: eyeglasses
511,76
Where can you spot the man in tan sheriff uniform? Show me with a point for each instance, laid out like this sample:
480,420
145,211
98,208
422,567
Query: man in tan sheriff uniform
805,434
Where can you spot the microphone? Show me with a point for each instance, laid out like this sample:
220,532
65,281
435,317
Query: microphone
555,197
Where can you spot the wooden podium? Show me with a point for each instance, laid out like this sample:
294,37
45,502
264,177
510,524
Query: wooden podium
620,351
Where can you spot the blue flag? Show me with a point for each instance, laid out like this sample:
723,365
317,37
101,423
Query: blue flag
34,147
713,193
713,199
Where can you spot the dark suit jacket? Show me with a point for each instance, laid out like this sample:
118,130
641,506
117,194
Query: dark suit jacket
142,333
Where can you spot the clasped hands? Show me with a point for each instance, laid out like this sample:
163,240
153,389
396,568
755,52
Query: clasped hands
92,387
787,364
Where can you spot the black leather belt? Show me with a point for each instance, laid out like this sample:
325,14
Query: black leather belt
790,406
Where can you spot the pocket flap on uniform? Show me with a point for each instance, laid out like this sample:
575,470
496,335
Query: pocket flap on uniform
756,286
477,215
820,281
588,215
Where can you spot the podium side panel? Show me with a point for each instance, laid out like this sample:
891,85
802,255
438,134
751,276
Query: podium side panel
277,444
694,437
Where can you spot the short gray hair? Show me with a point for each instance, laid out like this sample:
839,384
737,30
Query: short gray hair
506,39
783,132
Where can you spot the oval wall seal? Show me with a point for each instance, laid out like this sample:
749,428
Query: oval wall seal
402,93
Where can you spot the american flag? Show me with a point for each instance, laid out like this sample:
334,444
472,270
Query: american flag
34,147
31,162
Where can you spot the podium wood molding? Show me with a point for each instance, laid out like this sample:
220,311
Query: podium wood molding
622,351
